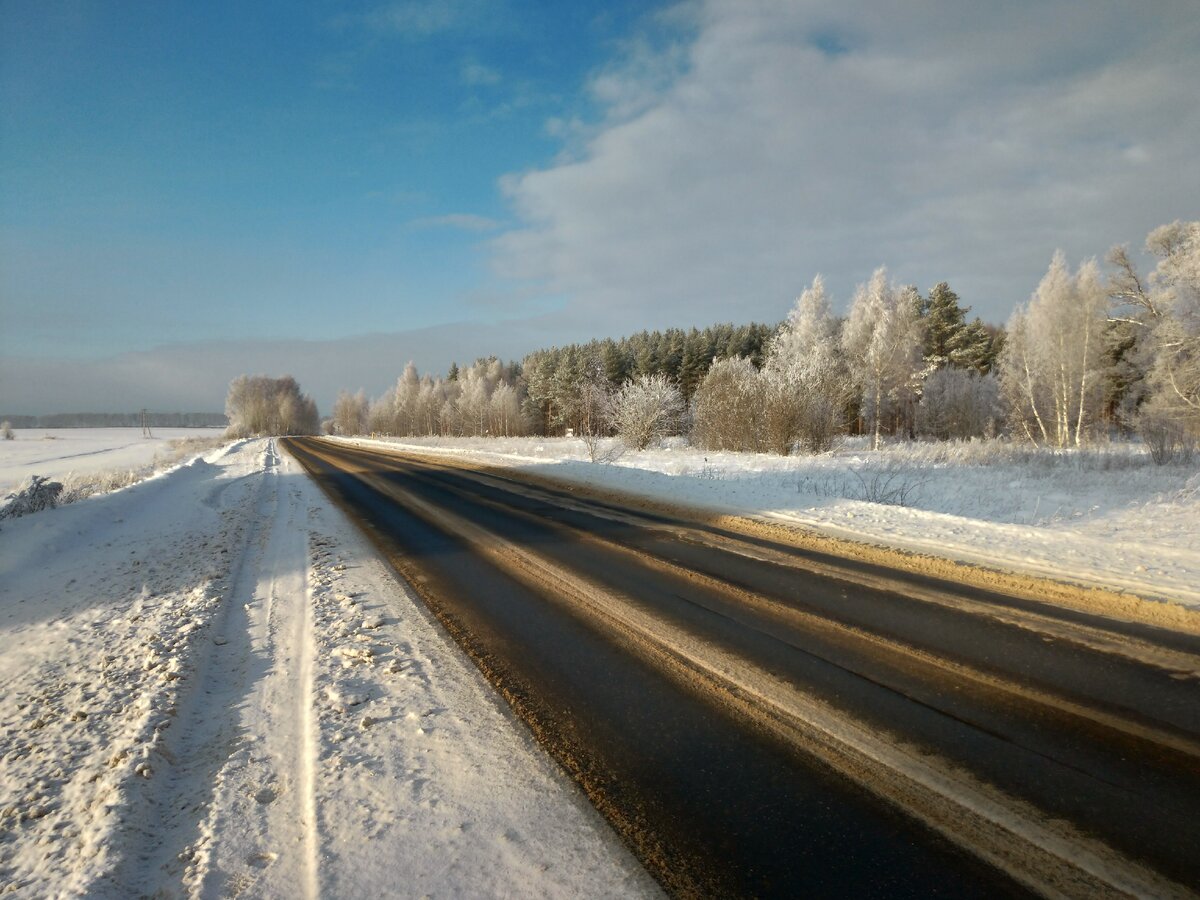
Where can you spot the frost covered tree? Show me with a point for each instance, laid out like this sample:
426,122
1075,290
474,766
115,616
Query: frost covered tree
883,340
261,405
504,411
647,409
1053,360
728,407
1161,317
807,388
958,404
6,430
350,413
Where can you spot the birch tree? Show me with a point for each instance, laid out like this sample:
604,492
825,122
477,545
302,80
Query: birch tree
1052,365
883,341
350,412
807,387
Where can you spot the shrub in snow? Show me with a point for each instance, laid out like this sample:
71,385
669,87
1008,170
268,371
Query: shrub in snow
647,410
958,404
36,494
727,408
1167,438
6,430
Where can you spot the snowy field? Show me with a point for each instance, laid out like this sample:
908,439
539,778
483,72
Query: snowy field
211,686
1105,516
58,452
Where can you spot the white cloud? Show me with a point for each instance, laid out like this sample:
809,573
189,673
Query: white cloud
947,141
418,19
463,221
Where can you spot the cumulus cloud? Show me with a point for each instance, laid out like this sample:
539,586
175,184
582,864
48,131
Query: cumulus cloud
778,139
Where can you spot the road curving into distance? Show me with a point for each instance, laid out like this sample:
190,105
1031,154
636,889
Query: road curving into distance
759,719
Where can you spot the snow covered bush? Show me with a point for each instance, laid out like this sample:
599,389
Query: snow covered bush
958,404
261,405
36,494
1167,439
727,408
646,410
6,430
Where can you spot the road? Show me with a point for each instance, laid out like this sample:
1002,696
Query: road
757,719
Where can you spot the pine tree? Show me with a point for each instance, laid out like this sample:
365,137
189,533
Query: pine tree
945,327
977,348
616,362
697,357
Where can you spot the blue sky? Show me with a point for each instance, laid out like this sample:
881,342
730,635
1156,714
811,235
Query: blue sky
178,171
189,191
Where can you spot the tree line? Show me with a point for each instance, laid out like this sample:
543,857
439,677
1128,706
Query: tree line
1087,354
120,420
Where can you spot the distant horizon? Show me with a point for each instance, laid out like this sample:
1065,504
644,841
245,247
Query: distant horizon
325,393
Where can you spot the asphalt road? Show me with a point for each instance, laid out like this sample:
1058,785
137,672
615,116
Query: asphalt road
759,720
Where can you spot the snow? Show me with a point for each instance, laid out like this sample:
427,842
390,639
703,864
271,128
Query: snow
58,452
1103,517
210,685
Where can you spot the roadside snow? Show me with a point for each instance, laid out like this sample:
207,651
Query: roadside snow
57,452
211,686
1106,517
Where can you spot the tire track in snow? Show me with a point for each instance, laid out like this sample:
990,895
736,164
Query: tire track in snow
262,827
164,846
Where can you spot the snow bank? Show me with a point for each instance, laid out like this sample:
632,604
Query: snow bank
210,685
1106,516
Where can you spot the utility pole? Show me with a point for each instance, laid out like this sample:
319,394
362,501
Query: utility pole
145,427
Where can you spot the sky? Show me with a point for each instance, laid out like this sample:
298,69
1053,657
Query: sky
192,191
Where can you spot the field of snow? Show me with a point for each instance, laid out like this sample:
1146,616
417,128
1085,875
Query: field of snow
1105,516
58,452
210,685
